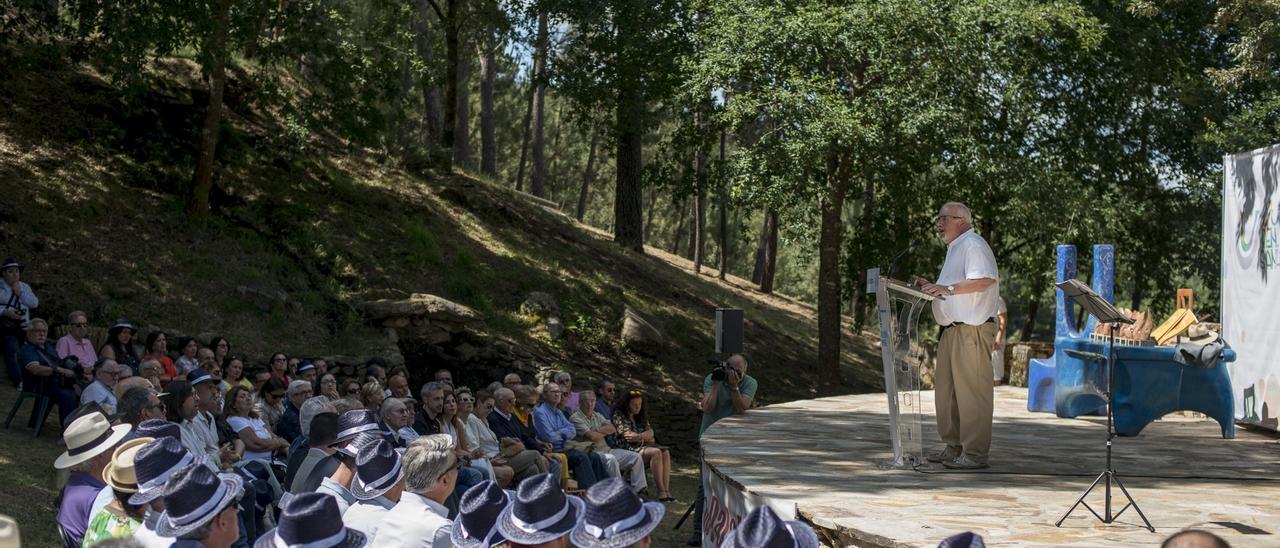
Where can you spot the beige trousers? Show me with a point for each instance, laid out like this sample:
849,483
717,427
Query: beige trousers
963,393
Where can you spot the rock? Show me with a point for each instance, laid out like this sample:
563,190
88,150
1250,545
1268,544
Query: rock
554,327
420,304
396,321
262,297
502,348
465,352
545,308
522,353
640,335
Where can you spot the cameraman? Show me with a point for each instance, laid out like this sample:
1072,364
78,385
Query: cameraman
44,373
727,390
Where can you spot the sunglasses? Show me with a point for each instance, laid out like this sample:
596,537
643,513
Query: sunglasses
635,393
276,396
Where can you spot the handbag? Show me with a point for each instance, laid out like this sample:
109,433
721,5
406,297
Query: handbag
510,448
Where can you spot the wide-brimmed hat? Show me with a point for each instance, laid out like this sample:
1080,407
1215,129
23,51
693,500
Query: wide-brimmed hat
88,437
91,407
966,539
10,537
378,469
1201,334
197,376
764,529
120,325
477,523
193,496
11,262
352,448
121,473
354,422
157,428
154,464
541,512
311,520
616,517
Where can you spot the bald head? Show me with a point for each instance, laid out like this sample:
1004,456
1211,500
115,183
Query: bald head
1194,538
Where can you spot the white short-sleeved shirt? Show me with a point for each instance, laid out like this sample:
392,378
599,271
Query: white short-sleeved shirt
968,258
259,429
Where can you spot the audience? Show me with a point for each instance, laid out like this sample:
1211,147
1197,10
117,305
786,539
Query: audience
200,432
187,350
307,371
181,406
322,433
307,412
375,369
158,349
395,417
481,442
371,395
89,440
279,367
377,487
221,350
270,401
513,433
154,464
329,387
153,372
420,518
398,382
762,527
120,518
200,507
42,372
597,430
258,440
569,398
338,484
444,376
102,390
288,427
312,520
16,302
541,514
511,381
138,404
120,347
76,342
605,390
476,525
631,419
553,428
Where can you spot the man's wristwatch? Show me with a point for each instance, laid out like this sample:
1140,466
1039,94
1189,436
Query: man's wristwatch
951,289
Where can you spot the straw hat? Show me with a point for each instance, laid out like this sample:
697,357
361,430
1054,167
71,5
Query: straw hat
1201,334
120,473
88,437
9,537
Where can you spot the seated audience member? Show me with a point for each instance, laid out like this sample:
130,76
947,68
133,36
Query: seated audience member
329,387
962,540
476,525
181,406
411,409
527,398
322,366
355,430
153,465
594,428
377,487
554,428
158,349
428,420
201,431
569,398
126,382
314,521
201,508
762,527
258,378
233,375
1194,538
307,371
288,426
616,517
214,370
375,369
102,389
605,392
398,382
631,419
371,395
420,518
485,452
76,342
42,372
139,404
221,350
120,346
120,518
153,372
157,429
279,367
530,520
258,440
298,447
270,401
511,380
90,440
187,350
16,302
323,431
395,415
445,376
505,425
206,353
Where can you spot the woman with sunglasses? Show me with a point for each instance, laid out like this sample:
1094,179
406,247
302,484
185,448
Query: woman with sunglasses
259,441
631,419
270,401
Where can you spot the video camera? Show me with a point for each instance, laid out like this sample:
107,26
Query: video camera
719,370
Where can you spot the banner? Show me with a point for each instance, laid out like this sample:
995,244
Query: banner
727,503
1251,282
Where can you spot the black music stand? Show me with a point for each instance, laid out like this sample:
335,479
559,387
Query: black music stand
1107,314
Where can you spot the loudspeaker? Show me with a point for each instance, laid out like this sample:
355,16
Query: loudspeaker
729,330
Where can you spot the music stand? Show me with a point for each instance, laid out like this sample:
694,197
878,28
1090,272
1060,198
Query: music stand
1106,313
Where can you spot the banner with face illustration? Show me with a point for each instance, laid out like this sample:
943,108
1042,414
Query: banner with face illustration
1251,281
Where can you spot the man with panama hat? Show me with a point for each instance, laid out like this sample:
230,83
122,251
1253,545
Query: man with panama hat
338,484
350,424
541,515
377,486
311,520
200,508
616,517
89,441
120,518
477,523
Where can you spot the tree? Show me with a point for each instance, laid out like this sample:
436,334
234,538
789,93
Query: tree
542,42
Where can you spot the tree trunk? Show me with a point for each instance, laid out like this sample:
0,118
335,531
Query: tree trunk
699,206
528,126
626,207
452,29
216,52
432,117
462,125
1033,308
538,185
488,139
682,217
588,173
648,223
724,216
829,246
766,252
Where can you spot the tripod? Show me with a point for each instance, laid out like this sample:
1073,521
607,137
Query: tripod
1099,308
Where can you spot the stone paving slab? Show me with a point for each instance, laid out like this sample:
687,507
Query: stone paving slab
829,457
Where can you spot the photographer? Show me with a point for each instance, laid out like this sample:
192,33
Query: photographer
727,390
16,302
44,373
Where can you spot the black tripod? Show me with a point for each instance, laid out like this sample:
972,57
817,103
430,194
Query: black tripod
1105,313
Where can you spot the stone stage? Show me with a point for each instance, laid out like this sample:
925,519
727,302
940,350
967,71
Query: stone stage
827,457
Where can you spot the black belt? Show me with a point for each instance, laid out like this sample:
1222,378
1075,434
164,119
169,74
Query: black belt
953,324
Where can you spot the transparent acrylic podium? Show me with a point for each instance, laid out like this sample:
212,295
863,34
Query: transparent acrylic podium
898,307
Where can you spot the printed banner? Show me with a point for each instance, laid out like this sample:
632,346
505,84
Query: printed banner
727,503
1251,282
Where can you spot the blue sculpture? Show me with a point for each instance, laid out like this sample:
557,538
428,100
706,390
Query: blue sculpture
1081,382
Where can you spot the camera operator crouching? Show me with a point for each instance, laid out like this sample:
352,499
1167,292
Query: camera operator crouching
727,390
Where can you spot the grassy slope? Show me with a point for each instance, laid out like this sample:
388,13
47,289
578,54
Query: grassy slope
91,204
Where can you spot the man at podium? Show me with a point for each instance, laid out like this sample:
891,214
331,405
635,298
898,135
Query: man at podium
969,291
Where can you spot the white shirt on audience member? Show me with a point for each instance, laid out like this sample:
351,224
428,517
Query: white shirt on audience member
416,521
367,515
968,258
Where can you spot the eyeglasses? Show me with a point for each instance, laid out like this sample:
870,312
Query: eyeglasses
943,218
468,400
80,325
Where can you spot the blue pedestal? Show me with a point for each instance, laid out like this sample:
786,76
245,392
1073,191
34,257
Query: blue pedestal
1048,388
